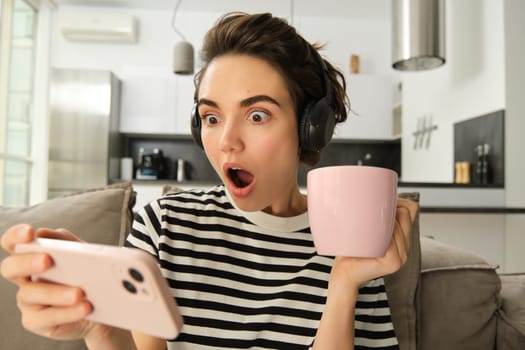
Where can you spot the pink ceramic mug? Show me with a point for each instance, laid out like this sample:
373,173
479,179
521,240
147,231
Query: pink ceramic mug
352,209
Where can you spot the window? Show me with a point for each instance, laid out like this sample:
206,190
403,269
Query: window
17,58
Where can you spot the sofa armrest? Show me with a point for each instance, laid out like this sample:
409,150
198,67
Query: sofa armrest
459,299
511,321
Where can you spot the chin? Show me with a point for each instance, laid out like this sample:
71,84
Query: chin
250,203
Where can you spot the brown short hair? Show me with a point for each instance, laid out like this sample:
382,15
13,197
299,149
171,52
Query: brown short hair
275,41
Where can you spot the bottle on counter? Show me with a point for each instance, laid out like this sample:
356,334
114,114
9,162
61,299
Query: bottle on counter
181,170
486,168
140,160
478,168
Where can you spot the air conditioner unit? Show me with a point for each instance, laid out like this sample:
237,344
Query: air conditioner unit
77,26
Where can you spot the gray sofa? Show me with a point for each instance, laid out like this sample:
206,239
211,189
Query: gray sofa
442,298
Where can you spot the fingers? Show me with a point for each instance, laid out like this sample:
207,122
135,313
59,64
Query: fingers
397,254
401,236
411,206
42,293
406,213
59,233
22,233
17,268
45,320
46,308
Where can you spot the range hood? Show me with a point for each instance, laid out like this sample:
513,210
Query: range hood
418,34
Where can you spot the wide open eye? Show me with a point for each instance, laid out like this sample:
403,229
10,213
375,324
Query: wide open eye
258,116
210,119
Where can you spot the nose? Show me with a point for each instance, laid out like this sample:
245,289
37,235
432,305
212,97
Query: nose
231,138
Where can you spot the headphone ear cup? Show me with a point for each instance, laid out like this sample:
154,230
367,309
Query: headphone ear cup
196,126
304,127
316,126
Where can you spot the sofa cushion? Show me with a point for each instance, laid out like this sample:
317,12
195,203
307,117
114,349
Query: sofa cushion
511,323
459,299
401,288
169,188
101,215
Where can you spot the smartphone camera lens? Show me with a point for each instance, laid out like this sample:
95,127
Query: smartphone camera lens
129,287
137,276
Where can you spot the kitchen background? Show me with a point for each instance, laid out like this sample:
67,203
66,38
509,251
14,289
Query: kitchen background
407,121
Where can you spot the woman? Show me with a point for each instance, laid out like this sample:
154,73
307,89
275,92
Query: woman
239,256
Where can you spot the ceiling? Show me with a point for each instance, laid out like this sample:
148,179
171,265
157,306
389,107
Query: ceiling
355,9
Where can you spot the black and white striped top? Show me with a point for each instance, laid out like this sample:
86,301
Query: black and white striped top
247,280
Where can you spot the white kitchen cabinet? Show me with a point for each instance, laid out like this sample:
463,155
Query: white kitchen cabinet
155,101
371,103
184,104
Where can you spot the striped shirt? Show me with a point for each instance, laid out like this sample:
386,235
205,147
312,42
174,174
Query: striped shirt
247,280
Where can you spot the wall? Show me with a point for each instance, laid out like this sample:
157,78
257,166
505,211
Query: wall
514,129
471,83
370,38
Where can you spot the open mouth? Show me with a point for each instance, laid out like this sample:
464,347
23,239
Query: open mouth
240,177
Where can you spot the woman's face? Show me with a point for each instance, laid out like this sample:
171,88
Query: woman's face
249,132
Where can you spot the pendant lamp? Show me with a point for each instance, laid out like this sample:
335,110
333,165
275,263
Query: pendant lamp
183,51
418,34
183,58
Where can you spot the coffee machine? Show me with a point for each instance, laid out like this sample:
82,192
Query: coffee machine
152,165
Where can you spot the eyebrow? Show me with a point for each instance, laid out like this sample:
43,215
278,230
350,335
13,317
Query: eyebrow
244,103
205,101
259,98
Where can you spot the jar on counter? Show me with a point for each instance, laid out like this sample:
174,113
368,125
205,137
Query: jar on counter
462,173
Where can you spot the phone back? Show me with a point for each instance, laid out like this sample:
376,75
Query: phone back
124,285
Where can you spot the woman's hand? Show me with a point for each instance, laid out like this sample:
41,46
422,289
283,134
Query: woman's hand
48,309
51,310
349,273
355,271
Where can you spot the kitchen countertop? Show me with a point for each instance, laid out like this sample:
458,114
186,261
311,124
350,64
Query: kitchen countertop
400,184
472,210
446,185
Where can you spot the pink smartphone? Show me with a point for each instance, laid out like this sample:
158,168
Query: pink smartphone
124,285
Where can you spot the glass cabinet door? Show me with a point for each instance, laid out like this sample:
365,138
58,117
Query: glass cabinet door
17,59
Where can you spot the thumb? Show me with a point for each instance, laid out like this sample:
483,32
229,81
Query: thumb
59,233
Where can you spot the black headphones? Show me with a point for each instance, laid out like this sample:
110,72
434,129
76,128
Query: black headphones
316,124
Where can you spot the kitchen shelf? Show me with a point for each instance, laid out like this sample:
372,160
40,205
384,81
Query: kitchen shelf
152,136
472,210
447,185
